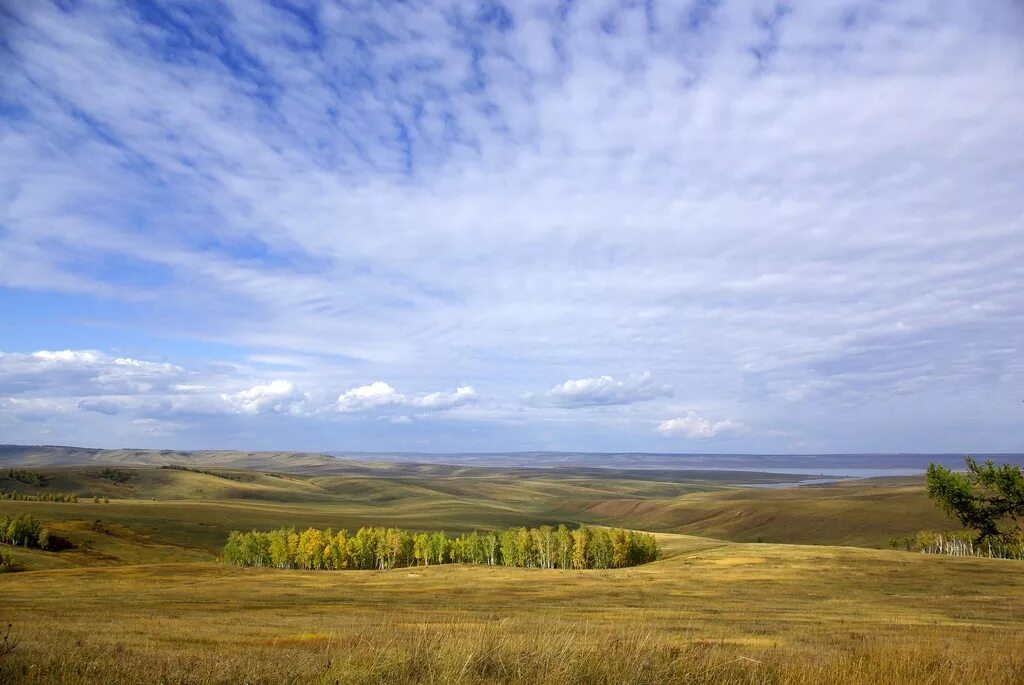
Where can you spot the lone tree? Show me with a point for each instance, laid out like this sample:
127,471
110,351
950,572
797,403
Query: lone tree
987,498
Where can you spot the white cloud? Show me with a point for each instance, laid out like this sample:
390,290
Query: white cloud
379,394
694,426
278,396
463,395
67,356
83,372
606,390
817,206
372,396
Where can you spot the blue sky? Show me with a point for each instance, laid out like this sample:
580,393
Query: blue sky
662,226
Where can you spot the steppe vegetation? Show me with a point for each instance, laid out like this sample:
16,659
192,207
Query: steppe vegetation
140,591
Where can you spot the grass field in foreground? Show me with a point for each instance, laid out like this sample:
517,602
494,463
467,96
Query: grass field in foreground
140,596
710,611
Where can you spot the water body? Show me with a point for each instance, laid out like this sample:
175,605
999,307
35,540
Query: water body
794,484
807,465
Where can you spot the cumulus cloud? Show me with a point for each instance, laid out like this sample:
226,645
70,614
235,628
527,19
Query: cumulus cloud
691,425
278,396
378,395
463,395
606,390
372,396
83,372
67,356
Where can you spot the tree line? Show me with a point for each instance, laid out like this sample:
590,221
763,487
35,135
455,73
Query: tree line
27,477
218,474
962,543
384,548
25,531
114,475
40,497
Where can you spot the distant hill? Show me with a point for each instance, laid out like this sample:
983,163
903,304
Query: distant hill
641,465
58,455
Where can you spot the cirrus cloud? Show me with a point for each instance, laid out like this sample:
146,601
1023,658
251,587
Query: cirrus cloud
802,213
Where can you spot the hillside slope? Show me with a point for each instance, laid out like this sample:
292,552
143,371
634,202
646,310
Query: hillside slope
57,455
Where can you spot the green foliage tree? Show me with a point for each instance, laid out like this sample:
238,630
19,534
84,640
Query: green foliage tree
386,548
581,547
23,530
28,477
986,498
39,497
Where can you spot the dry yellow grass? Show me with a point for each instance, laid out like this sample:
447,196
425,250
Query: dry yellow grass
710,612
140,597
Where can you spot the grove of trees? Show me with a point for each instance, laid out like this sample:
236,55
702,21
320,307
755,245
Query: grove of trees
25,531
384,548
39,497
27,477
962,543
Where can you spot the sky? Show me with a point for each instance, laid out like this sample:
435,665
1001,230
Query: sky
691,226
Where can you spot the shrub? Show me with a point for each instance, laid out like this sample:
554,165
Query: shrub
7,564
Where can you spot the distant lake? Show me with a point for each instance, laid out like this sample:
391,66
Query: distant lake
825,465
795,483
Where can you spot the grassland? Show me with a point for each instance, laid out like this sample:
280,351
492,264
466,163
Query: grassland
140,597
799,613
197,510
